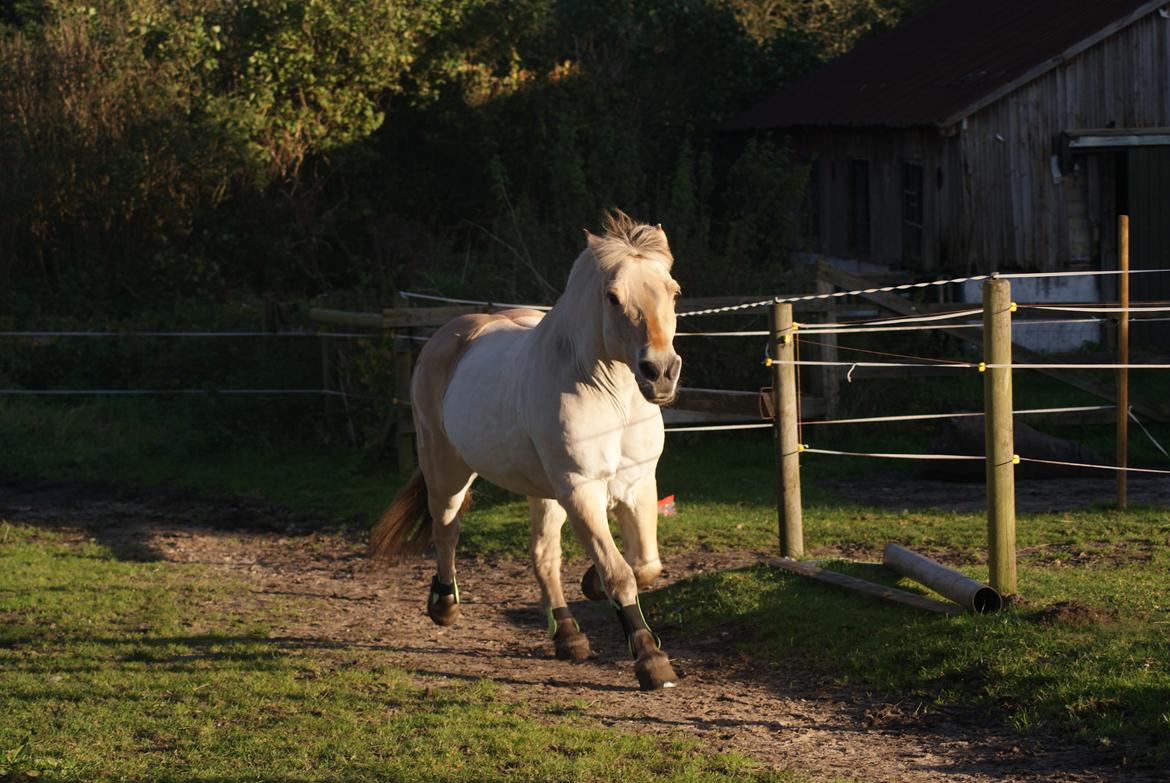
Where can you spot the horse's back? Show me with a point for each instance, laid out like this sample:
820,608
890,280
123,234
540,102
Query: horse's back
441,354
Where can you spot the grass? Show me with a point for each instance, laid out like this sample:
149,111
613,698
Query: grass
1101,672
1106,679
115,670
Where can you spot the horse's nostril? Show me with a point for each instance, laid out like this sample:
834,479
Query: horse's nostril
649,370
673,369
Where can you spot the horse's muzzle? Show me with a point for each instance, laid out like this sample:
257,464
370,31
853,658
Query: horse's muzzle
658,377
663,400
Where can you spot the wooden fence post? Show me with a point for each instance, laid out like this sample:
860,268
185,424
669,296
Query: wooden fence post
328,376
403,419
999,438
1123,359
787,421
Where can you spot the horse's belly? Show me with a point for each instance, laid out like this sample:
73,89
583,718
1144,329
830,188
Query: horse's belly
481,422
509,464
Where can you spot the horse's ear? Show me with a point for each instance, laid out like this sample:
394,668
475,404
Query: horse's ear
665,244
591,239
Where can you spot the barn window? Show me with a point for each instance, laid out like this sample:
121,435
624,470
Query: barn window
859,204
912,213
812,209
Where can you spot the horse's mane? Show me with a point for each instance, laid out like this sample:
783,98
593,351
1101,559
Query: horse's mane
624,237
576,309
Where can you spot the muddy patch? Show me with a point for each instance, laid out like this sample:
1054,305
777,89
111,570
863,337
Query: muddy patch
1071,613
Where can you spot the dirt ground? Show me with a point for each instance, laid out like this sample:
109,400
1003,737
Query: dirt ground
782,716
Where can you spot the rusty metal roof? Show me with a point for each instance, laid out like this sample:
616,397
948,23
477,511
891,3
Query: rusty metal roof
945,64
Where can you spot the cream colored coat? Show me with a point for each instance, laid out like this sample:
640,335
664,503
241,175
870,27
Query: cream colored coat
562,408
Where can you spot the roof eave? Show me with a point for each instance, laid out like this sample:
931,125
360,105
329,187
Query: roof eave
1055,62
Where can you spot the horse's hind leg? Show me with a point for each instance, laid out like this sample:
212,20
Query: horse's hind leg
547,519
448,481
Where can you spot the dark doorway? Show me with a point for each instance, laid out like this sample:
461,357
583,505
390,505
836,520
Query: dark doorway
1146,183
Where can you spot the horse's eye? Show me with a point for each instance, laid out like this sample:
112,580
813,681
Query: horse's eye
613,298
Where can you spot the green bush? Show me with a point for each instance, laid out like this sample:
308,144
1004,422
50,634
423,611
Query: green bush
155,150
130,128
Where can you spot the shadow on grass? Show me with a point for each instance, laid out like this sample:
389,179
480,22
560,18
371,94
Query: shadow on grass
121,518
993,671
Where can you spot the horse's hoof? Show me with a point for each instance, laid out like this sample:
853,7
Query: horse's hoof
444,611
571,644
654,671
592,586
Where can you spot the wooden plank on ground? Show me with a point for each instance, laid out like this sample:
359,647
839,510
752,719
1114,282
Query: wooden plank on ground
880,592
1080,379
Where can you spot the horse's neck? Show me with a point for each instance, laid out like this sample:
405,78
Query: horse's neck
578,346
572,331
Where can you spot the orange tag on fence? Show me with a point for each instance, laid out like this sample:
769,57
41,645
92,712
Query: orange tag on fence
666,507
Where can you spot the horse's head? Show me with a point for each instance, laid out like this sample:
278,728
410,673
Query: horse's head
637,301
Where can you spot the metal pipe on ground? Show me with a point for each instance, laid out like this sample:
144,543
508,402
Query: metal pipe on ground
872,589
960,588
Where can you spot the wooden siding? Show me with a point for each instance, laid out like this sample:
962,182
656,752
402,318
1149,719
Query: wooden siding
989,200
1123,81
886,150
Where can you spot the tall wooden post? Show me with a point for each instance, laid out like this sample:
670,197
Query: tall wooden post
787,443
403,419
1123,359
998,434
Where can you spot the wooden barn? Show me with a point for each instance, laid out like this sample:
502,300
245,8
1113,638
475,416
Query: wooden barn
989,135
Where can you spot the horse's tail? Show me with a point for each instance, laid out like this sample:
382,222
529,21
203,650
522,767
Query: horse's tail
405,527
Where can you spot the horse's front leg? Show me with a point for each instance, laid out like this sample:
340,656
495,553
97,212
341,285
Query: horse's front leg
548,517
586,507
638,522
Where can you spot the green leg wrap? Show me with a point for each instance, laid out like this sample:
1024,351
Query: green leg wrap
556,617
632,619
440,590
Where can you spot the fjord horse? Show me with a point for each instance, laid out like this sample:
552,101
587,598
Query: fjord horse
561,407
